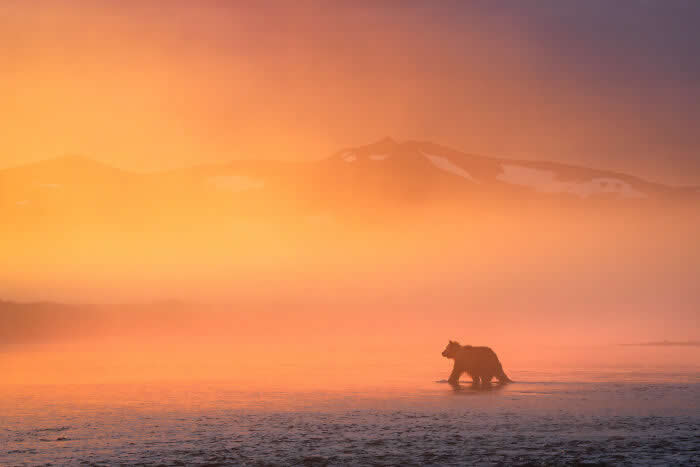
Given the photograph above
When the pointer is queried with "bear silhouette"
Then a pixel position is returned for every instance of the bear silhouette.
(480, 363)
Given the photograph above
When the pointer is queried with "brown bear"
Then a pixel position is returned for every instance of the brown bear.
(480, 363)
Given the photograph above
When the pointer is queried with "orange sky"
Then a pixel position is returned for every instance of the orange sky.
(151, 84)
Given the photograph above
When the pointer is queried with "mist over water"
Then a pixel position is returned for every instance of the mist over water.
(320, 345)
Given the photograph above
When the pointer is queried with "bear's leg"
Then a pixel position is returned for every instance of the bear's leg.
(454, 376)
(486, 380)
(475, 379)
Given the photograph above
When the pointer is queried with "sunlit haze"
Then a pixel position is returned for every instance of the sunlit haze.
(357, 232)
(321, 194)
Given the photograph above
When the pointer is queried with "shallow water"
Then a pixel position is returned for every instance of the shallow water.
(547, 417)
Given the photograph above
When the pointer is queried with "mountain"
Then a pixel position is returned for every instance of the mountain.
(412, 214)
(357, 181)
(421, 163)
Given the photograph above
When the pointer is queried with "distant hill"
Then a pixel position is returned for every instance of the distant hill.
(72, 226)
(50, 322)
(354, 180)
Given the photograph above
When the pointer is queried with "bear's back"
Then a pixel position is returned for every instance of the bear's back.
(482, 352)
(480, 359)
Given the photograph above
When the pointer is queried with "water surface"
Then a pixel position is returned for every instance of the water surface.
(622, 417)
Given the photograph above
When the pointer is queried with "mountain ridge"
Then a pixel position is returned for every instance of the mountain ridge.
(360, 182)
(82, 161)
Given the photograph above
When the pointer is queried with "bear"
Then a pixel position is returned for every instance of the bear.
(480, 363)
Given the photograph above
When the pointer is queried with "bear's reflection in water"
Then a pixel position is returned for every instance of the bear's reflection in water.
(472, 388)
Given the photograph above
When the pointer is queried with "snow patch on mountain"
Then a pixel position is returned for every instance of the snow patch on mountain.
(445, 164)
(351, 156)
(379, 157)
(236, 183)
(348, 156)
(545, 181)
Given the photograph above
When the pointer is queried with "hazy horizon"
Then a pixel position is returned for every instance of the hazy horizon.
(233, 159)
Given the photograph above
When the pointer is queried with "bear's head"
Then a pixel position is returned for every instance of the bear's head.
(451, 349)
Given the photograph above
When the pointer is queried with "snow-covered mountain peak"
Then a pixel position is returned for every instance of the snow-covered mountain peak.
(416, 159)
